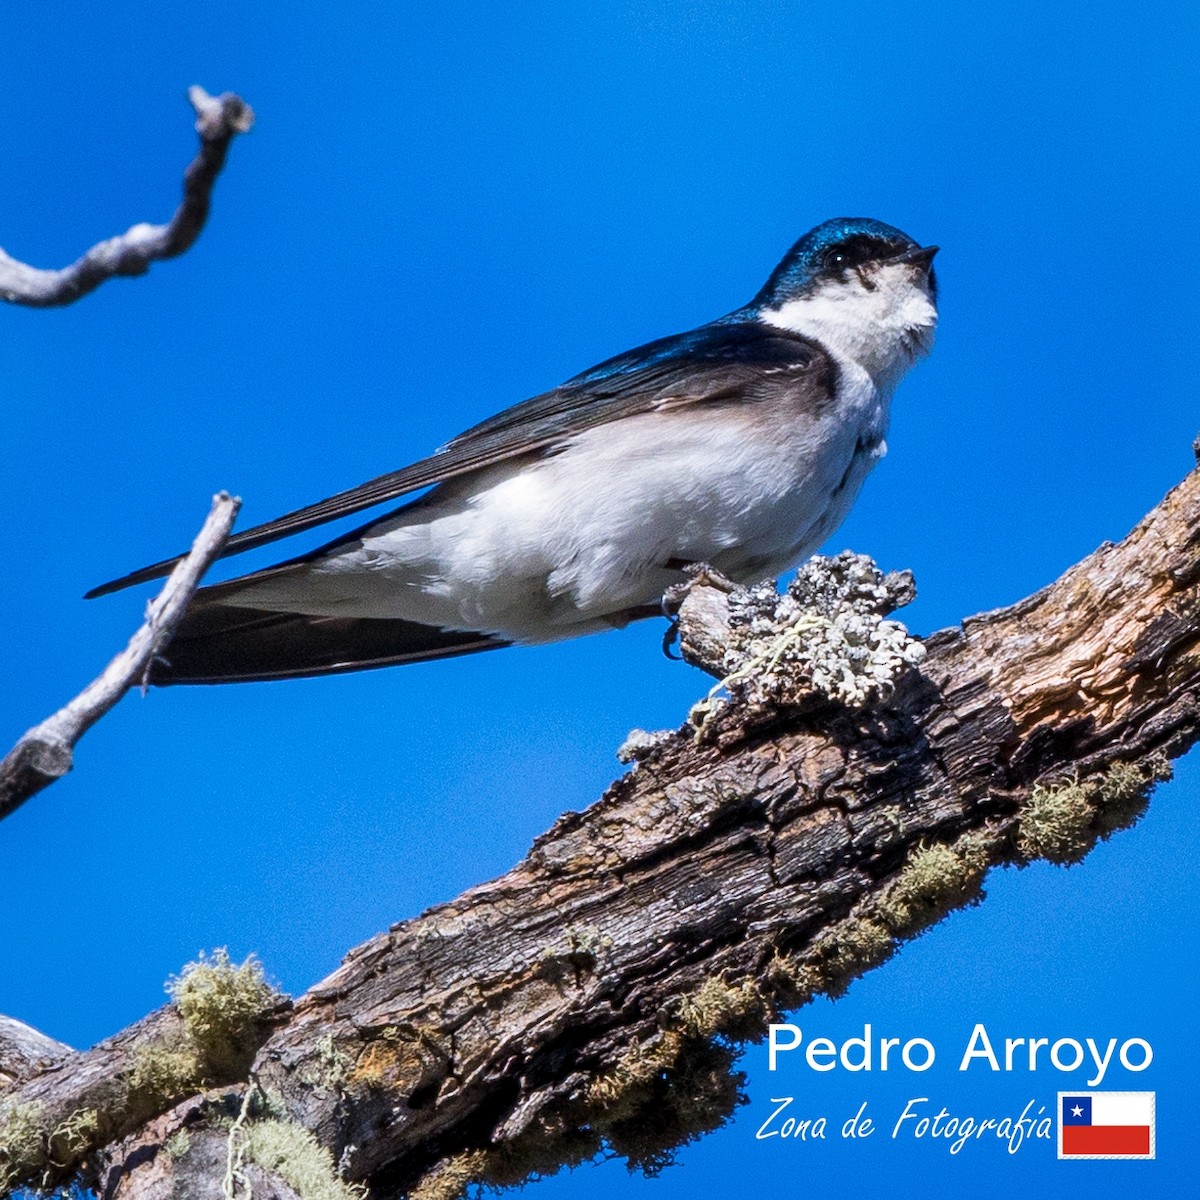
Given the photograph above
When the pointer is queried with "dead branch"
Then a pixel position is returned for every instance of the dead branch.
(218, 120)
(208, 1036)
(24, 1052)
(766, 853)
(46, 752)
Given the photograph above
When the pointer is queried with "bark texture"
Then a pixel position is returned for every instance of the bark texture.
(24, 1052)
(764, 852)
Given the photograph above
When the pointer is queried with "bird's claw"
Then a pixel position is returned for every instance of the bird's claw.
(671, 637)
(697, 575)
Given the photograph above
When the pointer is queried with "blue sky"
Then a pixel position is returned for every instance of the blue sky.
(443, 211)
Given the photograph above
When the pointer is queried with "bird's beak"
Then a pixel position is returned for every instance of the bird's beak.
(921, 256)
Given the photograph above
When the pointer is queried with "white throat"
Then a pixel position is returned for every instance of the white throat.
(880, 317)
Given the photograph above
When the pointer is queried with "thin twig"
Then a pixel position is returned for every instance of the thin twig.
(218, 120)
(45, 753)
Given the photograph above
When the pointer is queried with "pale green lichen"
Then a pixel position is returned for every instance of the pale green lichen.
(936, 880)
(450, 1178)
(293, 1154)
(1056, 824)
(163, 1070)
(618, 1092)
(1062, 822)
(1124, 792)
(72, 1138)
(36, 1155)
(663, 1093)
(825, 637)
(223, 1007)
(785, 975)
(734, 1010)
(330, 1067)
(23, 1157)
(682, 1088)
(844, 952)
(178, 1144)
(221, 1010)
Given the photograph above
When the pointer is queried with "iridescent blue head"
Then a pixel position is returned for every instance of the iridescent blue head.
(861, 289)
(836, 248)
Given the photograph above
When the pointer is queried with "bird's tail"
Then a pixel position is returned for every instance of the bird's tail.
(218, 642)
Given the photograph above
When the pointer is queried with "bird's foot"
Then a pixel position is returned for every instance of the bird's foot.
(696, 575)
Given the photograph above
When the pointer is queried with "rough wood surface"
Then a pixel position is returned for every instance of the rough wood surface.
(576, 1001)
(24, 1052)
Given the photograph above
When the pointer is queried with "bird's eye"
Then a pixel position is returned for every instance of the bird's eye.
(838, 258)
(851, 253)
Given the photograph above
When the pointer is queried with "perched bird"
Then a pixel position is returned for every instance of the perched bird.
(741, 444)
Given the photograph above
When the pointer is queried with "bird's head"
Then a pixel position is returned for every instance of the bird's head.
(862, 288)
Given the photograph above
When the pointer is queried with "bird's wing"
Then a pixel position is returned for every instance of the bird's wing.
(718, 362)
(218, 643)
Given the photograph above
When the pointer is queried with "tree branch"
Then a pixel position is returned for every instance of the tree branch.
(218, 121)
(45, 752)
(24, 1052)
(208, 1036)
(767, 852)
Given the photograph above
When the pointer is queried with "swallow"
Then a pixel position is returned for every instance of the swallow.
(740, 445)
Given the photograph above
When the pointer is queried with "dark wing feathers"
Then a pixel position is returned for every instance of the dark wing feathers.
(222, 644)
(716, 362)
(702, 365)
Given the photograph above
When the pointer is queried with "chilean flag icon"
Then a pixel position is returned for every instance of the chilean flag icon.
(1105, 1124)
